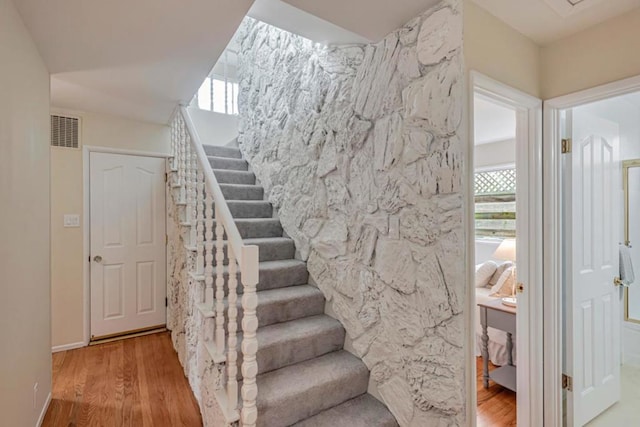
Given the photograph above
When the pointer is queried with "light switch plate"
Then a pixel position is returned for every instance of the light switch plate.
(72, 220)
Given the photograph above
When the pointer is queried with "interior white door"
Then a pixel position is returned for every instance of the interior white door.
(592, 299)
(128, 264)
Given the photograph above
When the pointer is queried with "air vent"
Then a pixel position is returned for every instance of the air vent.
(565, 8)
(65, 131)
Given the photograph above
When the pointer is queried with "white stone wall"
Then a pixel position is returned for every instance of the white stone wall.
(358, 148)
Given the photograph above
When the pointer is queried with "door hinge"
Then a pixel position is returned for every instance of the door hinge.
(166, 177)
(567, 382)
(566, 145)
(166, 302)
(166, 239)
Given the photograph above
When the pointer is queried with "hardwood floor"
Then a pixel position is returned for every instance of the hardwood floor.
(134, 382)
(496, 405)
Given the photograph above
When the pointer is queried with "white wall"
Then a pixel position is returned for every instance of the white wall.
(214, 128)
(601, 54)
(497, 50)
(67, 258)
(495, 154)
(25, 333)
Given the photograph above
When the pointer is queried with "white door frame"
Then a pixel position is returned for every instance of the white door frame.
(529, 176)
(86, 226)
(553, 265)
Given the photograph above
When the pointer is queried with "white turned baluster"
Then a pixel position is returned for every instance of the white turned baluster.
(208, 245)
(249, 345)
(194, 196)
(174, 165)
(232, 352)
(188, 185)
(183, 143)
(200, 225)
(173, 142)
(219, 283)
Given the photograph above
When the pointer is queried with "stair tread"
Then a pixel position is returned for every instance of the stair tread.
(223, 151)
(287, 304)
(274, 265)
(363, 411)
(294, 379)
(296, 392)
(228, 176)
(248, 202)
(269, 296)
(231, 185)
(262, 240)
(231, 171)
(255, 220)
(292, 330)
(228, 163)
(277, 274)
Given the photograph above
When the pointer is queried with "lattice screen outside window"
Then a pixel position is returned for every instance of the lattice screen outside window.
(495, 201)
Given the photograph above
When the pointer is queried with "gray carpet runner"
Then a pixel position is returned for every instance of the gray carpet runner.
(305, 377)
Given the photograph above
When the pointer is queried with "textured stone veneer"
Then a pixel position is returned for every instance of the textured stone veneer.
(358, 149)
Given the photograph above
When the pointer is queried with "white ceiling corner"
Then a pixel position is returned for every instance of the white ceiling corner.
(545, 21)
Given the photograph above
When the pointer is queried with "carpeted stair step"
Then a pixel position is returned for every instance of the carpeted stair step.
(249, 208)
(363, 411)
(288, 343)
(286, 304)
(269, 248)
(234, 177)
(280, 306)
(275, 275)
(255, 228)
(228, 163)
(300, 391)
(214, 150)
(242, 192)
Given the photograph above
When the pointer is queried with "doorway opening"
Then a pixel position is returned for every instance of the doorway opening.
(495, 193)
(125, 284)
(505, 223)
(600, 295)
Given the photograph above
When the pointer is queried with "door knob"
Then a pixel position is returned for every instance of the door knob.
(617, 281)
(97, 258)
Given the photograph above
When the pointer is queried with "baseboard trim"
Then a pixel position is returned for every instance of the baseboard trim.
(43, 413)
(65, 347)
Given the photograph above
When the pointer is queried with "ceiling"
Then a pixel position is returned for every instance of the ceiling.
(492, 122)
(137, 59)
(140, 58)
(545, 21)
(371, 19)
(287, 17)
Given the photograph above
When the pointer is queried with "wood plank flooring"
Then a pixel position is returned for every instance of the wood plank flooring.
(496, 405)
(136, 382)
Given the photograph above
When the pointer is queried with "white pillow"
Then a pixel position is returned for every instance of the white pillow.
(501, 269)
(506, 283)
(484, 272)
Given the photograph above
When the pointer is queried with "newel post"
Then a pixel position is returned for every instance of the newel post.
(249, 276)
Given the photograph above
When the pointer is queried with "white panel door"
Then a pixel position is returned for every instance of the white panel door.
(592, 299)
(128, 264)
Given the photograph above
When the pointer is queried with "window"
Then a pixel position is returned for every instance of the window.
(495, 202)
(213, 96)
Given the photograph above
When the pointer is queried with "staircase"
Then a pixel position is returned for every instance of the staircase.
(305, 377)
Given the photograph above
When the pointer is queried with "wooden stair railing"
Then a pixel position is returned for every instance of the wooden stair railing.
(201, 195)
